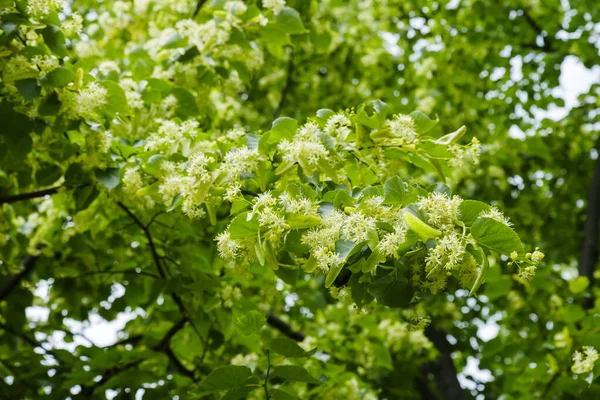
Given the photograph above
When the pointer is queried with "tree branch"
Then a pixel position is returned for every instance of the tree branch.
(12, 282)
(164, 342)
(124, 272)
(28, 196)
(31, 341)
(284, 328)
(589, 251)
(538, 30)
(160, 269)
(443, 368)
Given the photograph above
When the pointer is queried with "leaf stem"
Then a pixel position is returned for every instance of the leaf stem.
(265, 385)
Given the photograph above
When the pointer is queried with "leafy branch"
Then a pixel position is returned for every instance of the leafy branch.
(160, 268)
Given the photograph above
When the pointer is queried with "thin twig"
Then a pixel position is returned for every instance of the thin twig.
(265, 385)
(29, 195)
(538, 30)
(12, 282)
(160, 269)
(124, 272)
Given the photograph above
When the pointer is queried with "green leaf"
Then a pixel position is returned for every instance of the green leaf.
(241, 228)
(223, 378)
(480, 257)
(55, 40)
(58, 78)
(496, 236)
(278, 394)
(116, 101)
(470, 210)
(48, 175)
(28, 88)
(423, 123)
(393, 190)
(579, 284)
(392, 292)
(294, 373)
(287, 348)
(76, 176)
(186, 103)
(346, 248)
(109, 177)
(423, 230)
(250, 322)
(453, 137)
(299, 221)
(239, 393)
(283, 128)
(289, 21)
(84, 196)
(382, 356)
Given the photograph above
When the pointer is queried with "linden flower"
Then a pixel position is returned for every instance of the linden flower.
(73, 26)
(132, 181)
(228, 248)
(388, 245)
(442, 209)
(40, 8)
(275, 5)
(338, 126)
(357, 226)
(87, 100)
(233, 192)
(301, 205)
(584, 363)
(448, 253)
(403, 128)
(237, 161)
(305, 149)
(496, 214)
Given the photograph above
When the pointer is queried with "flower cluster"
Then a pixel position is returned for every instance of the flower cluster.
(275, 5)
(38, 9)
(402, 128)
(528, 265)
(443, 210)
(172, 136)
(584, 362)
(86, 102)
(306, 149)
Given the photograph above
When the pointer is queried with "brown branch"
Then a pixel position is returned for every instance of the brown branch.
(12, 282)
(160, 269)
(132, 340)
(284, 328)
(443, 368)
(164, 342)
(31, 341)
(124, 272)
(539, 31)
(29, 195)
(178, 365)
(589, 251)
